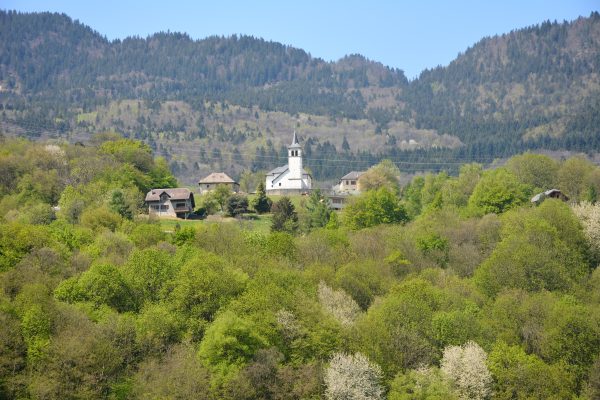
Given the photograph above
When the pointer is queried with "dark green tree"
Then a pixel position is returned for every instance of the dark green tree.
(119, 205)
(236, 204)
(318, 210)
(345, 145)
(261, 202)
(285, 218)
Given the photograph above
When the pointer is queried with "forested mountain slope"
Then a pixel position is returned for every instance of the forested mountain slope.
(536, 87)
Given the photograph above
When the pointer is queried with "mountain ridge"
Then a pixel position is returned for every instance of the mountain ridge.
(532, 88)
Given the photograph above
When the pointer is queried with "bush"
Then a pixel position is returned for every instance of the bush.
(236, 204)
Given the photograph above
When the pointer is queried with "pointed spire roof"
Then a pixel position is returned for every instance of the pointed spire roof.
(295, 143)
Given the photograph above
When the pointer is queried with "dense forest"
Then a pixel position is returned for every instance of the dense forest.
(445, 288)
(532, 88)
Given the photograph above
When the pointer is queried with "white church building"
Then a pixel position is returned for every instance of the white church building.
(290, 178)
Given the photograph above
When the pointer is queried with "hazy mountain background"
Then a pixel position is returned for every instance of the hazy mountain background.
(232, 103)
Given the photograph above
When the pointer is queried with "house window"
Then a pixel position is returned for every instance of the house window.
(279, 183)
(207, 185)
(156, 207)
(164, 207)
(353, 182)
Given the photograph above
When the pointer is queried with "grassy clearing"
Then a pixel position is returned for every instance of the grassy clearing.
(252, 222)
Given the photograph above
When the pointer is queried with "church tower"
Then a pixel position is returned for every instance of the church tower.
(295, 159)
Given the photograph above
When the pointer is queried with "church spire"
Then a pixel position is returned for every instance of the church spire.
(294, 141)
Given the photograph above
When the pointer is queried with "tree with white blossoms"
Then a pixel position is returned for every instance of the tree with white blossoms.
(589, 215)
(466, 368)
(352, 377)
(339, 303)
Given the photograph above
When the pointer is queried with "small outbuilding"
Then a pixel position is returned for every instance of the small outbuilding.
(215, 179)
(552, 194)
(177, 202)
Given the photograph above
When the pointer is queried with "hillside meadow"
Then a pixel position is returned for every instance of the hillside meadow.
(452, 287)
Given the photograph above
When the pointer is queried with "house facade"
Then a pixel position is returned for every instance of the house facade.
(349, 182)
(290, 178)
(344, 190)
(170, 203)
(215, 179)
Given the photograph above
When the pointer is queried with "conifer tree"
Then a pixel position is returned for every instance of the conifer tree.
(261, 202)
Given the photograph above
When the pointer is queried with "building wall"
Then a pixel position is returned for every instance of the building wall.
(348, 185)
(209, 187)
(167, 207)
(295, 163)
(287, 181)
(161, 209)
(285, 192)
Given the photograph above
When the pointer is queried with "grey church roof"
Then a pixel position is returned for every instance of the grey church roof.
(278, 170)
(282, 169)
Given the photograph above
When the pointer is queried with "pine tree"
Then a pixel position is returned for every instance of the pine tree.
(285, 218)
(261, 202)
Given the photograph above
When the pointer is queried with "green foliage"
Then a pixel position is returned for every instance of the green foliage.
(100, 218)
(396, 332)
(333, 222)
(157, 328)
(536, 170)
(202, 286)
(147, 271)
(434, 244)
(573, 177)
(185, 235)
(517, 374)
(285, 218)
(17, 240)
(101, 284)
(421, 384)
(318, 210)
(237, 204)
(118, 204)
(383, 175)
(281, 244)
(178, 376)
(221, 194)
(36, 329)
(364, 281)
(261, 203)
(533, 256)
(129, 151)
(230, 341)
(147, 235)
(572, 336)
(374, 207)
(498, 191)
(97, 305)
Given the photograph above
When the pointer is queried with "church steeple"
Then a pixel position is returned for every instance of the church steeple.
(294, 141)
(295, 158)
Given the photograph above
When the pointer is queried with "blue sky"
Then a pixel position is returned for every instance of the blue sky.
(411, 35)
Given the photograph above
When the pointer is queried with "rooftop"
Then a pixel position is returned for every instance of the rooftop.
(353, 175)
(174, 194)
(217, 177)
